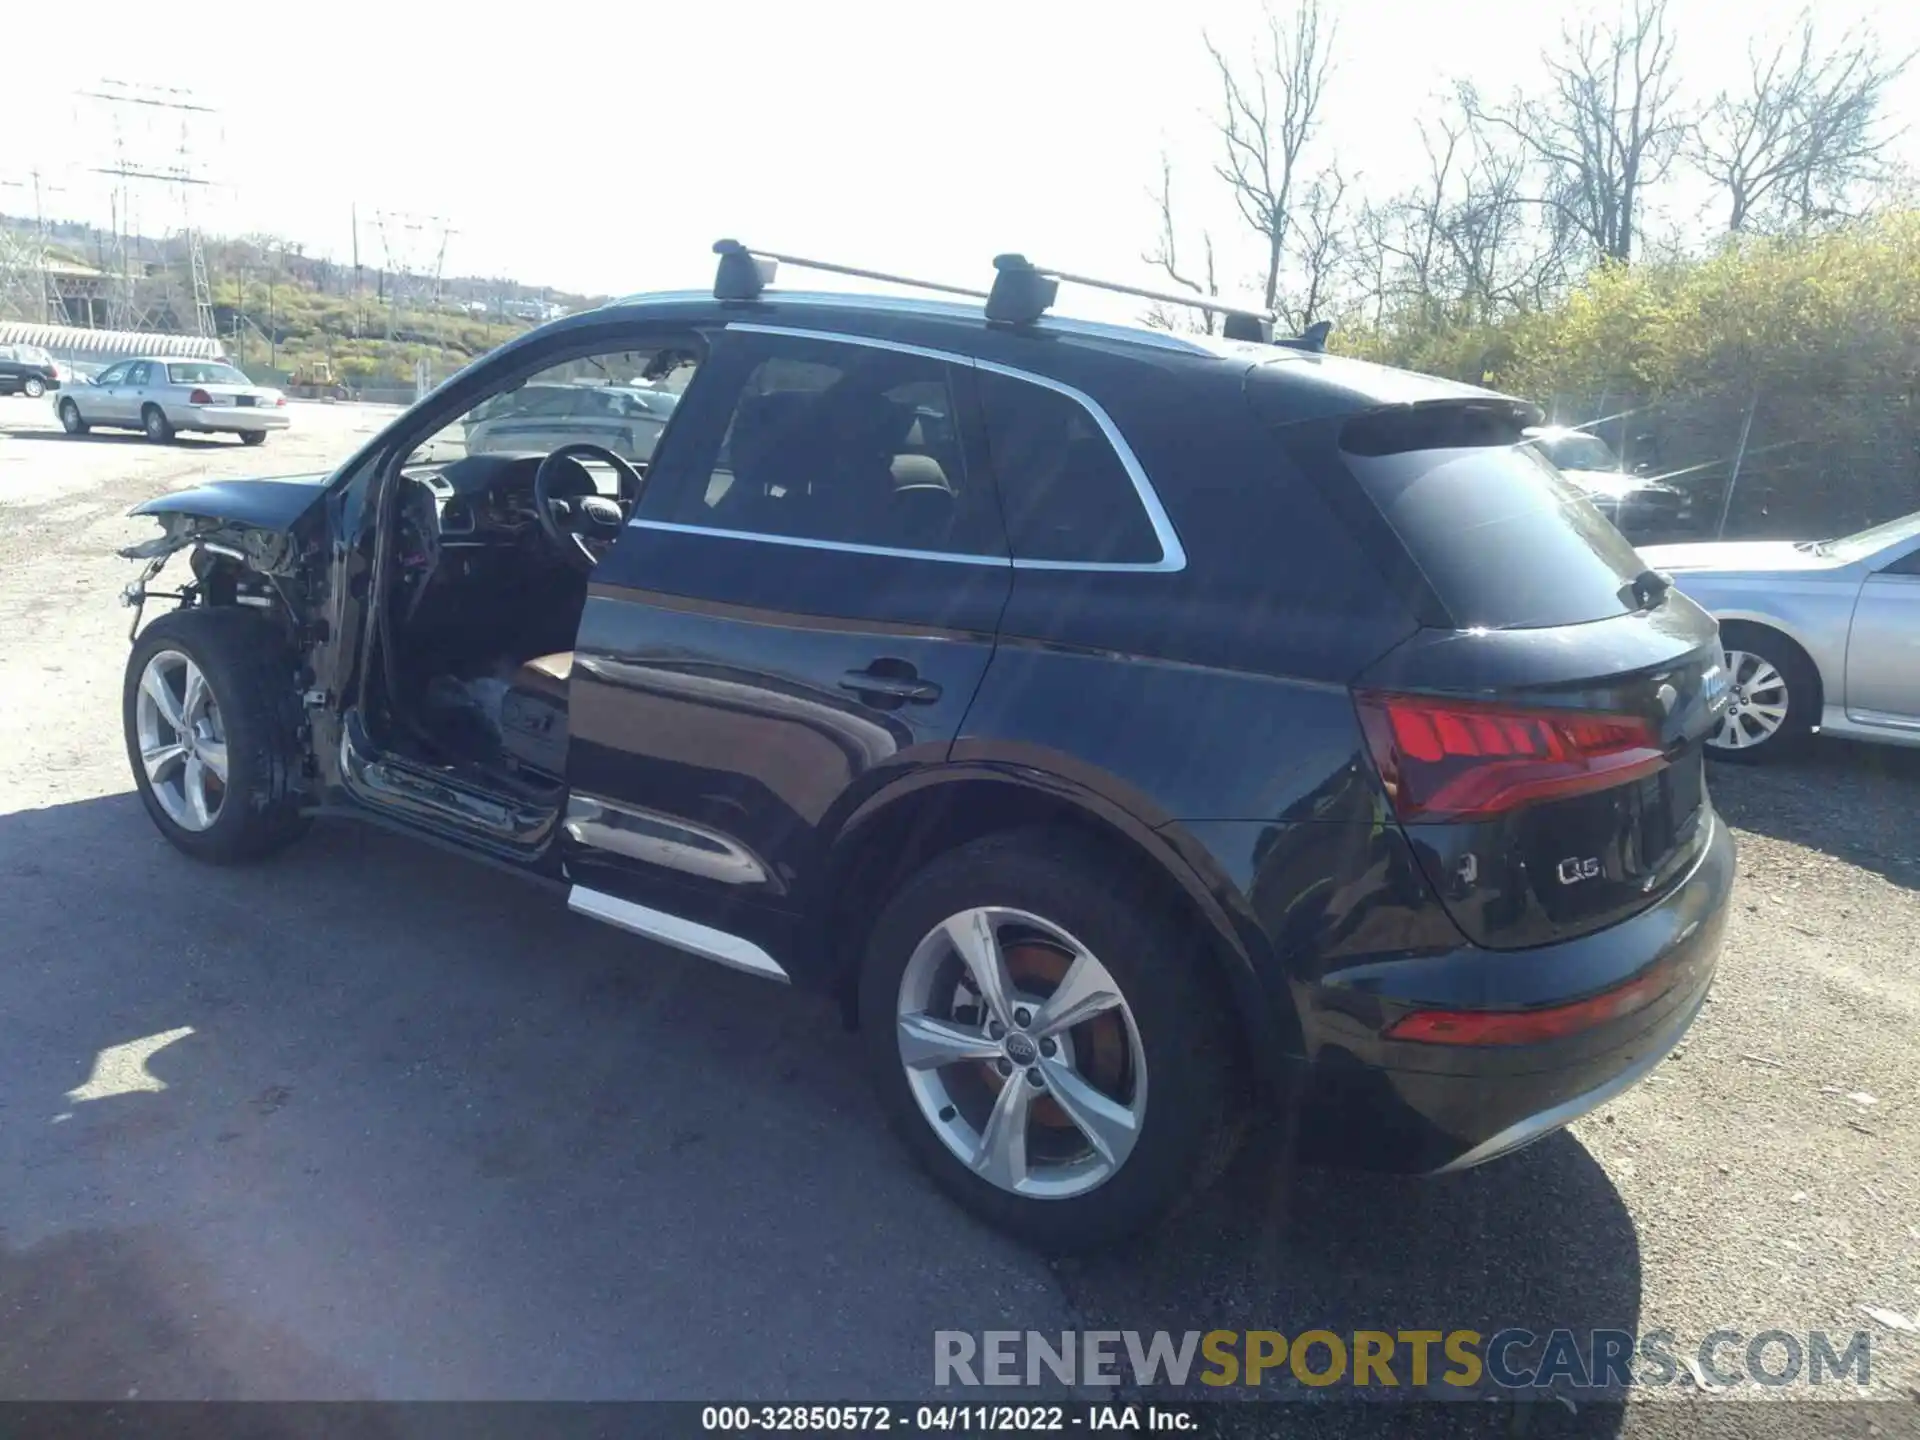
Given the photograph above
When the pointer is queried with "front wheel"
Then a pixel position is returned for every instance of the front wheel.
(70, 419)
(35, 387)
(1046, 1045)
(212, 724)
(1772, 699)
(154, 421)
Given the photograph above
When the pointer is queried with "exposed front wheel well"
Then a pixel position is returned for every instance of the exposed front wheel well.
(915, 831)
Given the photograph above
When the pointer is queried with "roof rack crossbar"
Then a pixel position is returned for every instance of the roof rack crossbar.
(725, 248)
(1210, 303)
(1022, 291)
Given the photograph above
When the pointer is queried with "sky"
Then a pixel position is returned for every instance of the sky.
(606, 150)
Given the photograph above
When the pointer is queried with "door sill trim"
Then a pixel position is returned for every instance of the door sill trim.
(683, 934)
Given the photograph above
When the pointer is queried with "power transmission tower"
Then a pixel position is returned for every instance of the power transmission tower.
(134, 308)
(406, 241)
(26, 289)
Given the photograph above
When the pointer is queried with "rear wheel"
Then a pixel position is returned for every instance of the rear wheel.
(154, 421)
(35, 387)
(70, 420)
(253, 437)
(212, 725)
(1773, 699)
(1047, 1046)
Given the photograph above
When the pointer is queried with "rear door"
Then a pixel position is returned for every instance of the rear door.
(801, 610)
(1883, 646)
(109, 399)
(143, 383)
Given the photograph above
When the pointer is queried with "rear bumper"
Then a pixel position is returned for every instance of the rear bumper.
(229, 417)
(1425, 1108)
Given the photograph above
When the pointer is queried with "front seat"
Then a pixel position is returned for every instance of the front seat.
(533, 713)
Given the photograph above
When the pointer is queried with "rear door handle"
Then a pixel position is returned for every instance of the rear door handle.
(908, 686)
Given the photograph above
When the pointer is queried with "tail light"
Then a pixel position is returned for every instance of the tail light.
(279, 400)
(1463, 760)
(199, 397)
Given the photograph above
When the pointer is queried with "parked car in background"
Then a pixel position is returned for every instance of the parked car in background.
(27, 370)
(1819, 633)
(538, 418)
(163, 397)
(1640, 508)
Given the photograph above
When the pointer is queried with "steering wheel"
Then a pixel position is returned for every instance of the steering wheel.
(574, 516)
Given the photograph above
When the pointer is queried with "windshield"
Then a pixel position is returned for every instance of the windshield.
(584, 400)
(1862, 543)
(205, 372)
(1572, 450)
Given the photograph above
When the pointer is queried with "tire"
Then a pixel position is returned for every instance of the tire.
(254, 715)
(1175, 1033)
(1785, 675)
(154, 421)
(70, 419)
(34, 387)
(253, 437)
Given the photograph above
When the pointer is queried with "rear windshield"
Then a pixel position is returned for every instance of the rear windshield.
(1503, 538)
(205, 372)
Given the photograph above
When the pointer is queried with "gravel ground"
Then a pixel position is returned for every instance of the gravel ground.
(430, 1136)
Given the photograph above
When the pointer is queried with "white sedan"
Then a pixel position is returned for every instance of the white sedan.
(163, 397)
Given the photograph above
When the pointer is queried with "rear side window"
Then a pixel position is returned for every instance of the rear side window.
(1503, 538)
(840, 444)
(1066, 492)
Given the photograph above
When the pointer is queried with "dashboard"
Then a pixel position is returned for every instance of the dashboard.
(479, 500)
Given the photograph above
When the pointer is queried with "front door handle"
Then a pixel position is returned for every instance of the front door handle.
(903, 684)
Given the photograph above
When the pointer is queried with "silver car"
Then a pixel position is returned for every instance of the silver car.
(164, 397)
(542, 417)
(1817, 633)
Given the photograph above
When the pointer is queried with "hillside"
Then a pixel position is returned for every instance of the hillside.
(276, 308)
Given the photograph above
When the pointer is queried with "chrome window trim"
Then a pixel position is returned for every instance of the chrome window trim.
(800, 542)
(1173, 555)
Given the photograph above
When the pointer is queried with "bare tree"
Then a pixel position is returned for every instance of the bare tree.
(1165, 257)
(1469, 243)
(1321, 250)
(1802, 133)
(1270, 110)
(1606, 129)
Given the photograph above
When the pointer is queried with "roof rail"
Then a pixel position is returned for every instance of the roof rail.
(1022, 291)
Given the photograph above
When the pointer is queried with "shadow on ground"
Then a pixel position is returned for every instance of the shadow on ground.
(1852, 801)
(433, 1136)
(53, 432)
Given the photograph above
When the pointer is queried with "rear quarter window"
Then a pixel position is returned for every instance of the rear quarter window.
(1067, 494)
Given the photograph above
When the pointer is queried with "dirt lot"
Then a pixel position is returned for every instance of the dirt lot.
(431, 1137)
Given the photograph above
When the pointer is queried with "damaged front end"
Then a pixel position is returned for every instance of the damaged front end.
(231, 564)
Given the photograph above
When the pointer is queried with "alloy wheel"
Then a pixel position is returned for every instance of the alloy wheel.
(1021, 1052)
(183, 744)
(1757, 704)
